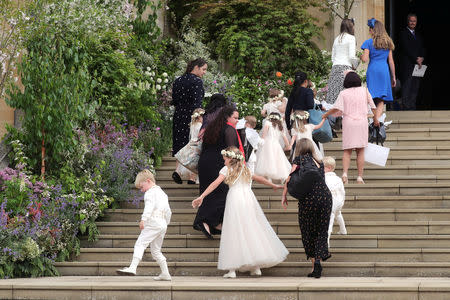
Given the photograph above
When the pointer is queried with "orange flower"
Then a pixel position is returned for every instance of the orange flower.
(278, 74)
(290, 82)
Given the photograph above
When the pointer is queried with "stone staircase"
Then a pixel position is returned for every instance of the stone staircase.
(398, 225)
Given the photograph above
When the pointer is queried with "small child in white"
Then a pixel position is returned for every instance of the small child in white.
(153, 225)
(253, 138)
(336, 187)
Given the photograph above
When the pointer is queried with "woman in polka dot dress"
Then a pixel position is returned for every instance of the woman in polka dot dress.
(313, 211)
(187, 95)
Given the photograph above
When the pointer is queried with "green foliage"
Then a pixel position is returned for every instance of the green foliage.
(257, 38)
(55, 97)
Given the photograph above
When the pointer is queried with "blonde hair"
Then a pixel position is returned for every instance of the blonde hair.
(251, 120)
(300, 118)
(329, 162)
(381, 39)
(143, 176)
(196, 115)
(236, 166)
(305, 146)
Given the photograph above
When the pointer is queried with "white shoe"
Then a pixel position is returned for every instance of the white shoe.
(163, 277)
(342, 232)
(255, 272)
(230, 274)
(126, 271)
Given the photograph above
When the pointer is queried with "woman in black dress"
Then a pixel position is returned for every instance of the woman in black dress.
(187, 95)
(313, 211)
(301, 97)
(219, 134)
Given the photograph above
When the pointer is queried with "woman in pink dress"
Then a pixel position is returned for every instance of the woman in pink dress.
(353, 104)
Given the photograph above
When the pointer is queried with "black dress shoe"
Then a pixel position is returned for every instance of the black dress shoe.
(317, 273)
(176, 177)
(190, 182)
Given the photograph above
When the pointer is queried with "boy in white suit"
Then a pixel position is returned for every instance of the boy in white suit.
(336, 187)
(153, 225)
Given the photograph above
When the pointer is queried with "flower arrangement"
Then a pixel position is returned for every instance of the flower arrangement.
(232, 154)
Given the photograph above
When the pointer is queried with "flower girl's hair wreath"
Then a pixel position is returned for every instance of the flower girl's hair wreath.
(296, 116)
(231, 154)
(274, 117)
(196, 114)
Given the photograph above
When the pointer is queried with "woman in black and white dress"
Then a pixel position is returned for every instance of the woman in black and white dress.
(342, 55)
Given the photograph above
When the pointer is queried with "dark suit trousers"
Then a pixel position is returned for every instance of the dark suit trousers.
(410, 89)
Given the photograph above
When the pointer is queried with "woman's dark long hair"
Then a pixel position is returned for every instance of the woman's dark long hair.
(199, 62)
(300, 77)
(217, 101)
(214, 128)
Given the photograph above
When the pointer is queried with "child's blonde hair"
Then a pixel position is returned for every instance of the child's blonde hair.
(305, 146)
(300, 119)
(196, 115)
(329, 162)
(143, 176)
(251, 120)
(236, 166)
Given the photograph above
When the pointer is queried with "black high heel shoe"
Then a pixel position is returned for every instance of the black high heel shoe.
(202, 228)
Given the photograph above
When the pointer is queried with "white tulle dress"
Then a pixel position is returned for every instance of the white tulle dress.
(271, 162)
(307, 134)
(247, 240)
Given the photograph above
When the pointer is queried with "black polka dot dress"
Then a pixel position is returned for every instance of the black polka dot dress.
(187, 95)
(314, 216)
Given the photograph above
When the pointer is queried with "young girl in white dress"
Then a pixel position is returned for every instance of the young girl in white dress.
(301, 129)
(277, 103)
(271, 162)
(247, 242)
(196, 124)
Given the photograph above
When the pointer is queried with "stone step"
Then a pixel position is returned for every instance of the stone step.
(216, 288)
(369, 169)
(295, 254)
(393, 159)
(183, 231)
(419, 124)
(372, 269)
(414, 132)
(372, 201)
(273, 214)
(336, 150)
(370, 179)
(381, 189)
(418, 115)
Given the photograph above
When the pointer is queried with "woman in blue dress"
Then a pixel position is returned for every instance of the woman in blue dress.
(381, 70)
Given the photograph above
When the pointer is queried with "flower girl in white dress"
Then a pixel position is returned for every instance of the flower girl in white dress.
(247, 242)
(271, 162)
(301, 129)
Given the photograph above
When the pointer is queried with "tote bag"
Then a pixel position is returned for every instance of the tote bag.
(303, 178)
(189, 155)
(323, 134)
(376, 154)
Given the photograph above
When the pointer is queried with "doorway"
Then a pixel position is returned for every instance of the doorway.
(433, 25)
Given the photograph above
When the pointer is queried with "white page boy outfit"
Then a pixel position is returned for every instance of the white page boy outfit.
(336, 187)
(156, 217)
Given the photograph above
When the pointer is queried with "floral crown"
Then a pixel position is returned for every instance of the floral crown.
(197, 114)
(232, 154)
(300, 117)
(274, 117)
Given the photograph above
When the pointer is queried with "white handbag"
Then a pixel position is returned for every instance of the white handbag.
(376, 154)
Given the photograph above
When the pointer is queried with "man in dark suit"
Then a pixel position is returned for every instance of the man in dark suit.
(412, 52)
